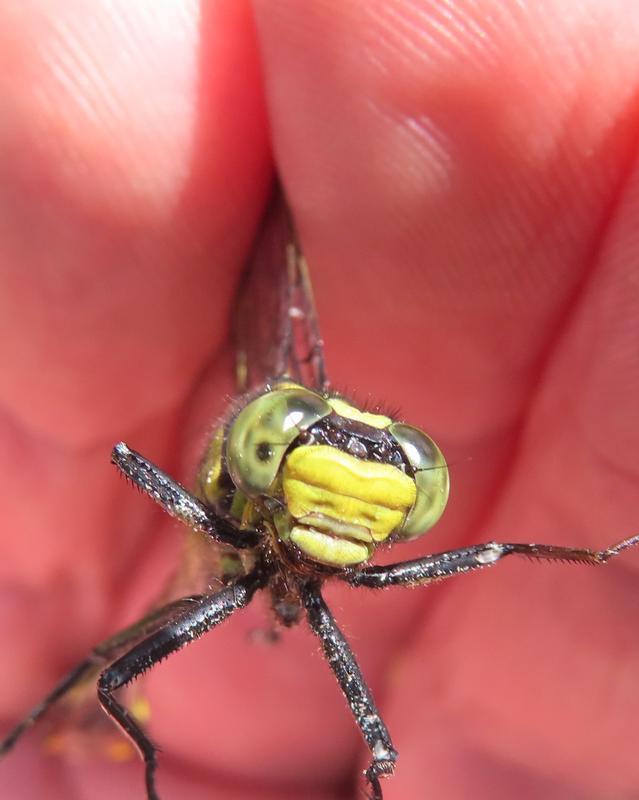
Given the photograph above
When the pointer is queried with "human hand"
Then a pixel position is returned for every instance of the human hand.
(463, 186)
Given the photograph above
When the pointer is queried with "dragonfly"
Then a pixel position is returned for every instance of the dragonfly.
(298, 486)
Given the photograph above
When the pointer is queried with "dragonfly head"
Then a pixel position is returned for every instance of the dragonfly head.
(347, 480)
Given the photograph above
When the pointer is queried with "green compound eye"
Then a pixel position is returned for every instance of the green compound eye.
(431, 479)
(263, 431)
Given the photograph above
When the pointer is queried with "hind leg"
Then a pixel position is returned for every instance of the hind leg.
(104, 653)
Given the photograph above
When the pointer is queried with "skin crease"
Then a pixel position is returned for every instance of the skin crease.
(464, 180)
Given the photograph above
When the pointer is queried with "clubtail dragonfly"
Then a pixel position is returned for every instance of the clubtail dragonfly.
(298, 486)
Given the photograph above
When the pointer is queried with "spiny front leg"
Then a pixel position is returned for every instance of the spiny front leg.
(346, 669)
(466, 559)
(176, 500)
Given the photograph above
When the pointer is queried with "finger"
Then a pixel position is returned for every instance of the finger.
(129, 188)
(453, 149)
(564, 651)
(455, 155)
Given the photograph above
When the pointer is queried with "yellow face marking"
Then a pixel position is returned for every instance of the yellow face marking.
(304, 501)
(329, 468)
(330, 549)
(337, 527)
(345, 409)
(323, 482)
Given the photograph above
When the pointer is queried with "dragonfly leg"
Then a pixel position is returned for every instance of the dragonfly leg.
(345, 668)
(199, 618)
(66, 684)
(177, 501)
(466, 559)
(106, 651)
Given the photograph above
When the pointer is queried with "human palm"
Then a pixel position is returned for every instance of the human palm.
(464, 185)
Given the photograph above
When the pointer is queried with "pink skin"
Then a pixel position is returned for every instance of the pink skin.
(464, 181)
